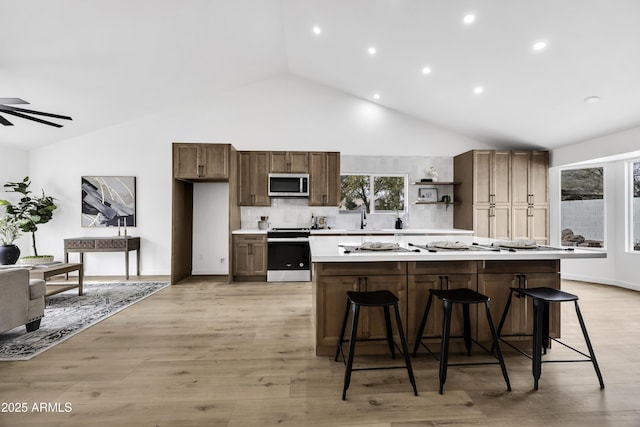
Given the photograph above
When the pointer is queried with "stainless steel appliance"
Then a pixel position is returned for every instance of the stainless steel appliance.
(288, 255)
(289, 185)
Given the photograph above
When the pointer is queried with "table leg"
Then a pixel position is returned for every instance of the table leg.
(138, 261)
(66, 261)
(80, 279)
(126, 263)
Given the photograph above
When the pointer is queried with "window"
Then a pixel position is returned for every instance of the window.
(378, 193)
(582, 207)
(635, 206)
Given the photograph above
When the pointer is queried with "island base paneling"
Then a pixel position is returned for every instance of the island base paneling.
(411, 281)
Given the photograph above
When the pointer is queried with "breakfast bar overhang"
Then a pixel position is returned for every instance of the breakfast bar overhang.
(409, 266)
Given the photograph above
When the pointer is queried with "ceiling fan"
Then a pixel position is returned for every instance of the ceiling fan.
(25, 114)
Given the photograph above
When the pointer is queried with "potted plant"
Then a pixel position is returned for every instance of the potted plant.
(9, 232)
(29, 212)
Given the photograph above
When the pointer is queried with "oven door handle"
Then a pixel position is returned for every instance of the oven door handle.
(288, 239)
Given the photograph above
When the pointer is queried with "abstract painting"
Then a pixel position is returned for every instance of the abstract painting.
(108, 201)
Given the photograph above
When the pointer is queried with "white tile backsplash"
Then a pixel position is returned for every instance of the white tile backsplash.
(297, 212)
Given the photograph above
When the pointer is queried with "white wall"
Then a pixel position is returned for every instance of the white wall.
(13, 167)
(615, 144)
(279, 113)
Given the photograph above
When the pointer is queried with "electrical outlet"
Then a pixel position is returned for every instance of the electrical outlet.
(222, 260)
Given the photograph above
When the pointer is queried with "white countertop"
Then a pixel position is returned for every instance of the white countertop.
(328, 249)
(406, 231)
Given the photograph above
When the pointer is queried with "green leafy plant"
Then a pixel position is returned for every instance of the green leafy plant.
(9, 231)
(29, 211)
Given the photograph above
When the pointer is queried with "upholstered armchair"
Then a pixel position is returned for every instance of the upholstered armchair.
(21, 300)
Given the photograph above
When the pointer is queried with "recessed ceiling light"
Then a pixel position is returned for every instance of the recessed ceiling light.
(372, 50)
(592, 99)
(426, 70)
(539, 45)
(376, 96)
(317, 30)
(469, 18)
(478, 90)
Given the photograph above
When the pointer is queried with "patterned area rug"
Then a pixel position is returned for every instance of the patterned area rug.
(66, 314)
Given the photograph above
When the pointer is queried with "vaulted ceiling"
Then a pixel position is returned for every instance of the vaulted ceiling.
(104, 62)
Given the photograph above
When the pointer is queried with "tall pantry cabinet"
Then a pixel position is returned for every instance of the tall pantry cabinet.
(502, 194)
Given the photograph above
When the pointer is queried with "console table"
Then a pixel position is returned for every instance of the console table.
(104, 244)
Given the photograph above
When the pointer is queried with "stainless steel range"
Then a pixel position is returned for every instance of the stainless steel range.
(288, 255)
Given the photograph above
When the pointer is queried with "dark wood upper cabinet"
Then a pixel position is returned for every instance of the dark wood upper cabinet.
(253, 178)
(201, 162)
(289, 162)
(324, 176)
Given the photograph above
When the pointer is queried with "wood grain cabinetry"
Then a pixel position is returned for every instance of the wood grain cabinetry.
(331, 283)
(530, 195)
(253, 178)
(503, 194)
(495, 278)
(250, 257)
(201, 162)
(289, 162)
(324, 174)
(426, 275)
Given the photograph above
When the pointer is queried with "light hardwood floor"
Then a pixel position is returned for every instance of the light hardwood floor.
(214, 354)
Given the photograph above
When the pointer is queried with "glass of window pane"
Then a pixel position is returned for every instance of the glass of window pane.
(582, 207)
(355, 192)
(389, 193)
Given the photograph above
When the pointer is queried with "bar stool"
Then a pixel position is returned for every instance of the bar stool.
(466, 297)
(383, 299)
(541, 298)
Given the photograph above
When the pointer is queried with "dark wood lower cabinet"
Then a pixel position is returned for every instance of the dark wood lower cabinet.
(411, 282)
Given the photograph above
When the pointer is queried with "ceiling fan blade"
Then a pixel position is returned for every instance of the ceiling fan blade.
(24, 116)
(39, 113)
(12, 101)
(5, 122)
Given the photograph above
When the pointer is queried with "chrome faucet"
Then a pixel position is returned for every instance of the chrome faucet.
(363, 216)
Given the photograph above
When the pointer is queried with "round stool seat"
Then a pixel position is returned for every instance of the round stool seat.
(460, 296)
(372, 298)
(547, 294)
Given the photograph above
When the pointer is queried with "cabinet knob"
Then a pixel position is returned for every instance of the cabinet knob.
(200, 170)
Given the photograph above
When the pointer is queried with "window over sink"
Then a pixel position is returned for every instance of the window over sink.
(378, 193)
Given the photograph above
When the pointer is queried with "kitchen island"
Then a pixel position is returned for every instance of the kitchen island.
(415, 267)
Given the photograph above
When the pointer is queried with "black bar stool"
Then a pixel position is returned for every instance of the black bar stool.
(541, 299)
(465, 297)
(383, 299)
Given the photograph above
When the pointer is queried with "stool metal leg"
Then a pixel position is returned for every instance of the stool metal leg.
(422, 324)
(537, 341)
(588, 341)
(467, 328)
(405, 350)
(545, 327)
(387, 321)
(444, 351)
(352, 347)
(496, 346)
(342, 329)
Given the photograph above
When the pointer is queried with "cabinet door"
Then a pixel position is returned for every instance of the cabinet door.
(501, 177)
(482, 220)
(260, 178)
(372, 323)
(520, 177)
(333, 180)
(539, 177)
(253, 178)
(214, 161)
(241, 259)
(531, 222)
(258, 251)
(492, 221)
(521, 223)
(418, 292)
(482, 166)
(278, 162)
(185, 161)
(496, 287)
(298, 162)
(318, 178)
(330, 308)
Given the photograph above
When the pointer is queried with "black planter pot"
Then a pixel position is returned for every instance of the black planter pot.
(9, 254)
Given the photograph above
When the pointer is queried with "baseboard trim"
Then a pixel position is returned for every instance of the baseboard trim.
(602, 281)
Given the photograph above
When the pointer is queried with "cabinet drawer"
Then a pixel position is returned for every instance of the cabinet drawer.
(79, 244)
(519, 266)
(111, 243)
(250, 238)
(361, 268)
(441, 267)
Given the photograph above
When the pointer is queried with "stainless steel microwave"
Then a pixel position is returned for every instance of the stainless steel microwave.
(289, 185)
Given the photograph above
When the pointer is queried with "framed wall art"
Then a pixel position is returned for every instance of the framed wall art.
(108, 201)
(428, 194)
